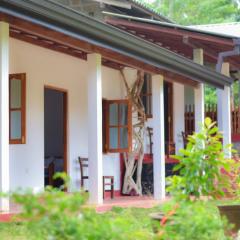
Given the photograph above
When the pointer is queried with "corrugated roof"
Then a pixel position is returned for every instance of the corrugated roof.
(74, 24)
(231, 29)
(144, 6)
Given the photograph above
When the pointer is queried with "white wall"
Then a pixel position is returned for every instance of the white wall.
(46, 67)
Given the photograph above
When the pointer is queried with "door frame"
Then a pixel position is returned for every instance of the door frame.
(65, 124)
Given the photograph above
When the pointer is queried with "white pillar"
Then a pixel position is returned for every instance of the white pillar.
(158, 137)
(199, 93)
(178, 114)
(224, 109)
(95, 167)
(4, 114)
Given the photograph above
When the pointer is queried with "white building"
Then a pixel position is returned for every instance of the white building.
(63, 62)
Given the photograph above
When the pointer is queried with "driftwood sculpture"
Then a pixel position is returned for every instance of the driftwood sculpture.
(133, 160)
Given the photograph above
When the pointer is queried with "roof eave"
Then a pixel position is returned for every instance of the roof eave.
(150, 11)
(68, 21)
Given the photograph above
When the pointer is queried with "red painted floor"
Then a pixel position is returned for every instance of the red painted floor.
(6, 217)
(128, 201)
(121, 201)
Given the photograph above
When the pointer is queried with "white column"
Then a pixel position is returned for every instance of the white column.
(178, 114)
(158, 137)
(4, 114)
(95, 167)
(224, 109)
(199, 93)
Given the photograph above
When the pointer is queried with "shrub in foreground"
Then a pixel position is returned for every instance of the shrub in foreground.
(188, 220)
(56, 215)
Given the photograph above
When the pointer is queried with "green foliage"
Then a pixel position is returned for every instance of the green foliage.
(191, 12)
(56, 215)
(13, 231)
(201, 165)
(210, 93)
(235, 93)
(193, 220)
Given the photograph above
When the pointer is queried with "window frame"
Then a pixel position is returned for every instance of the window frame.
(22, 77)
(106, 145)
(148, 95)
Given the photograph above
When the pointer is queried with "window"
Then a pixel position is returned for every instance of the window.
(117, 131)
(146, 95)
(17, 108)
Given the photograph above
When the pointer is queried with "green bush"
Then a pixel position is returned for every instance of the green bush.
(197, 220)
(204, 172)
(201, 165)
(57, 215)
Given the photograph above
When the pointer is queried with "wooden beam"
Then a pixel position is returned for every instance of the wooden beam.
(48, 45)
(86, 47)
(169, 77)
(169, 30)
(209, 51)
(177, 46)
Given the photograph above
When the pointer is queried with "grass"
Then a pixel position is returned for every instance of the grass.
(13, 231)
(19, 231)
(139, 219)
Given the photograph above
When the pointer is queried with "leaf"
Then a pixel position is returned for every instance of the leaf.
(213, 130)
(177, 167)
(207, 121)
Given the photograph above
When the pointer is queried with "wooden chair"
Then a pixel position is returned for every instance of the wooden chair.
(184, 137)
(83, 162)
(170, 148)
(108, 183)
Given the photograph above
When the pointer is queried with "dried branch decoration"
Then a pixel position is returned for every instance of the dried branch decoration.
(134, 160)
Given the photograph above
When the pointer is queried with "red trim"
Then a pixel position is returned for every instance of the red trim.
(235, 137)
(147, 158)
(171, 160)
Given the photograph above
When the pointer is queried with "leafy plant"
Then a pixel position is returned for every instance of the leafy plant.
(203, 168)
(57, 215)
(196, 220)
